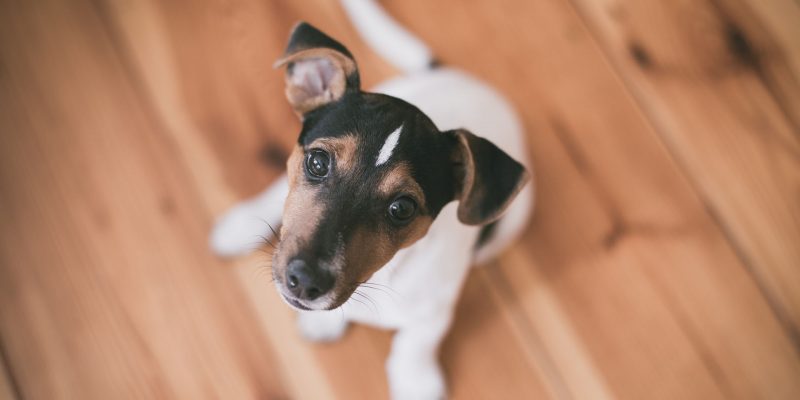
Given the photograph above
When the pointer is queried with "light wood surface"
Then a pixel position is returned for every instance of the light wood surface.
(663, 260)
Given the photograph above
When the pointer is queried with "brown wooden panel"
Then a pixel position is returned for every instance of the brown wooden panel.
(125, 126)
(107, 289)
(721, 87)
(772, 35)
(7, 390)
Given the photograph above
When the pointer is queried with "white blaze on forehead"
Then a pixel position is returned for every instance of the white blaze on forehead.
(388, 146)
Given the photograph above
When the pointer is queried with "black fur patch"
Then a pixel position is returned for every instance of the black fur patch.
(486, 234)
(496, 178)
(304, 37)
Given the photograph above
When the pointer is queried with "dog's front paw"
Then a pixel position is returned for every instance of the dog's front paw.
(321, 326)
(415, 379)
(238, 232)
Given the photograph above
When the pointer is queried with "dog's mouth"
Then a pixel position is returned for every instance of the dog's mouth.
(319, 306)
(333, 300)
(295, 303)
(292, 301)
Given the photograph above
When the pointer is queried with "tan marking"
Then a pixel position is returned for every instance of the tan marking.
(472, 191)
(416, 230)
(360, 264)
(301, 213)
(398, 180)
(294, 165)
(462, 157)
(344, 150)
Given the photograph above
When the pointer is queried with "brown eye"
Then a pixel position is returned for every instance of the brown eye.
(318, 164)
(402, 209)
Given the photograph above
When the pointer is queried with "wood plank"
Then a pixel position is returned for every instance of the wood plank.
(106, 286)
(722, 89)
(127, 125)
(7, 389)
(487, 357)
(645, 278)
(770, 29)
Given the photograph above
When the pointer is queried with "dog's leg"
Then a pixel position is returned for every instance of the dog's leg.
(413, 365)
(243, 228)
(322, 326)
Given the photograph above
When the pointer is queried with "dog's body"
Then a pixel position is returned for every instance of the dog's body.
(415, 292)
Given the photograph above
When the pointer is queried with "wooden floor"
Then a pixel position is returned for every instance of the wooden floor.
(663, 261)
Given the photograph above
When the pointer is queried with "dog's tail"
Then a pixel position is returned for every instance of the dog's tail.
(387, 37)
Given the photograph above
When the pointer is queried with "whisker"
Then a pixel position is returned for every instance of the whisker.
(380, 286)
(341, 312)
(267, 241)
(359, 301)
(389, 295)
(372, 301)
(261, 270)
(385, 289)
(374, 305)
(266, 251)
(362, 301)
(275, 234)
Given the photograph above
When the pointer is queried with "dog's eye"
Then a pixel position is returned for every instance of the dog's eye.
(318, 163)
(402, 209)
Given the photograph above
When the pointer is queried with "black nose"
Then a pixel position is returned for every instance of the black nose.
(306, 282)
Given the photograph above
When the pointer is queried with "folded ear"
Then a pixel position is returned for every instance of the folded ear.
(319, 69)
(489, 178)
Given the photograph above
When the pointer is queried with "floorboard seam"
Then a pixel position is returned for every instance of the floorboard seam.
(123, 54)
(5, 361)
(778, 309)
(544, 361)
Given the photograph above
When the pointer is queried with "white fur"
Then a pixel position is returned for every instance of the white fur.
(420, 284)
(321, 326)
(243, 228)
(388, 146)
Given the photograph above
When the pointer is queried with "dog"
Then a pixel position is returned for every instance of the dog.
(398, 190)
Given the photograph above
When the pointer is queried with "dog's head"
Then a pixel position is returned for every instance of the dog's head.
(368, 176)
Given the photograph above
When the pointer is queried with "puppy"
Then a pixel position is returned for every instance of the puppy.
(395, 191)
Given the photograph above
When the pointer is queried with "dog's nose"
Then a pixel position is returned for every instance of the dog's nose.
(307, 283)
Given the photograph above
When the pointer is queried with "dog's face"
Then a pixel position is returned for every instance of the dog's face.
(368, 176)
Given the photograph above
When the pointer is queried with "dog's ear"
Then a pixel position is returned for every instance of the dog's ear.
(488, 178)
(319, 69)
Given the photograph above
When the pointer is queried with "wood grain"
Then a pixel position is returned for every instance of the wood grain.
(722, 91)
(7, 389)
(107, 288)
(660, 262)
